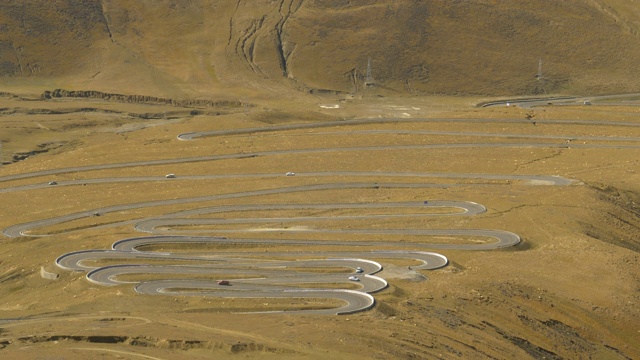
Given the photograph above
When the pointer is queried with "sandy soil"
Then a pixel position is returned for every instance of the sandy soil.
(569, 290)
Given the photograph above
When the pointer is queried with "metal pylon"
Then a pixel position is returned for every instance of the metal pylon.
(368, 80)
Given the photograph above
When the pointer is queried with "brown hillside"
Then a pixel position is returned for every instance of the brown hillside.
(177, 48)
(228, 125)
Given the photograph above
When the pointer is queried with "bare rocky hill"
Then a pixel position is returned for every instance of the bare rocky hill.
(199, 47)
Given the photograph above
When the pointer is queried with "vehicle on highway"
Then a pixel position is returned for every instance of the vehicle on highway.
(359, 270)
(170, 176)
(290, 173)
(354, 278)
(53, 183)
(224, 282)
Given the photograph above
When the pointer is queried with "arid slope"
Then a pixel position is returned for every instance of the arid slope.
(570, 290)
(200, 47)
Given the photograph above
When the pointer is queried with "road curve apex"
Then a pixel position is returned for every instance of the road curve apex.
(377, 278)
(187, 136)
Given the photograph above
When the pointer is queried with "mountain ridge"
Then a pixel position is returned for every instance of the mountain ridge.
(206, 47)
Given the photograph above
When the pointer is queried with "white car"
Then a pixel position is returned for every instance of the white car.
(170, 176)
(359, 270)
(354, 278)
(53, 183)
(290, 174)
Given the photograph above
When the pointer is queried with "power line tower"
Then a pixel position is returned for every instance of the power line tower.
(539, 74)
(353, 77)
(368, 80)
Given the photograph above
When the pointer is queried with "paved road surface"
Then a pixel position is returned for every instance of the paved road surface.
(258, 274)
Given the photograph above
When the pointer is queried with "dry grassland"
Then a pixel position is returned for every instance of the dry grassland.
(569, 290)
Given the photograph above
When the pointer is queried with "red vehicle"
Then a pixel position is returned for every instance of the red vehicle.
(223, 282)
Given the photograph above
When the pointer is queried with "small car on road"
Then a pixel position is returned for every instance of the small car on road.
(354, 278)
(224, 282)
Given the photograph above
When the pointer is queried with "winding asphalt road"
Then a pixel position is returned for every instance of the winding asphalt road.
(277, 128)
(610, 100)
(25, 229)
(257, 274)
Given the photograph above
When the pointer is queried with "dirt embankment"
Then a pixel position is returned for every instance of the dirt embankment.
(619, 218)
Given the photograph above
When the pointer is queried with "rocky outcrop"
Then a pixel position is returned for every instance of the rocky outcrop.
(139, 99)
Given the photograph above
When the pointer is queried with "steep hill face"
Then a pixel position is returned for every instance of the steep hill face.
(200, 47)
(48, 38)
